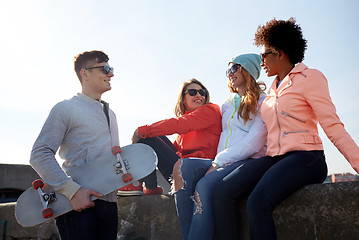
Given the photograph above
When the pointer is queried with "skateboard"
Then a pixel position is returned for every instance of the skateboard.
(41, 203)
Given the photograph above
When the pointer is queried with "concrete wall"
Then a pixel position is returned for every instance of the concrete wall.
(316, 212)
(14, 179)
(18, 177)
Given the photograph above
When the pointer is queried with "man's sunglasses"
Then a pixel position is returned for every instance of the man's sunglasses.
(193, 92)
(106, 69)
(232, 69)
(264, 55)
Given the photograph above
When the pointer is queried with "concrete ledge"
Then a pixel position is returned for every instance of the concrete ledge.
(148, 217)
(320, 211)
(316, 212)
(10, 229)
(142, 217)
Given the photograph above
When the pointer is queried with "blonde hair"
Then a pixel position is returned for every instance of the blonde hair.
(249, 101)
(180, 108)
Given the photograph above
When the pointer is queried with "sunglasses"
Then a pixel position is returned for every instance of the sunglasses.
(106, 69)
(232, 69)
(193, 92)
(264, 55)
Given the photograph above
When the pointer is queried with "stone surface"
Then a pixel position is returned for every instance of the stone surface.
(320, 211)
(316, 212)
(148, 217)
(10, 229)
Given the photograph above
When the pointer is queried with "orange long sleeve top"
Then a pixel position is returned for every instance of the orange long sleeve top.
(198, 131)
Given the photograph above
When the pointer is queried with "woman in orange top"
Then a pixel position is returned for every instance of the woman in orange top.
(198, 125)
(296, 102)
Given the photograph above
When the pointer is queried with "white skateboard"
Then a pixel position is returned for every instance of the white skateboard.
(41, 202)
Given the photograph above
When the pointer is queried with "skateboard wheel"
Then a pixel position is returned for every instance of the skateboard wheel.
(116, 149)
(47, 213)
(127, 177)
(37, 184)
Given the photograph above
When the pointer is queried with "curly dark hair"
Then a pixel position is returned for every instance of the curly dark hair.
(282, 35)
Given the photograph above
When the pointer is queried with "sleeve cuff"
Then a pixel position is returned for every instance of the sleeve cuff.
(69, 188)
(213, 162)
(142, 131)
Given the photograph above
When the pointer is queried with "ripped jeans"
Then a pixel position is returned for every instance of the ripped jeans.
(194, 196)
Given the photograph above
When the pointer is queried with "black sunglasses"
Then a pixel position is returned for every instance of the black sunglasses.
(106, 69)
(264, 55)
(232, 69)
(193, 92)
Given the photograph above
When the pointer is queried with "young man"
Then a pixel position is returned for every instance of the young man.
(83, 128)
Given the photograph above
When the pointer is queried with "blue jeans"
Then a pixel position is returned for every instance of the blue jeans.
(194, 201)
(290, 173)
(96, 223)
(235, 186)
(268, 180)
(192, 170)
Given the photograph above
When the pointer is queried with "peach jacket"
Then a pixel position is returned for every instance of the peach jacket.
(292, 111)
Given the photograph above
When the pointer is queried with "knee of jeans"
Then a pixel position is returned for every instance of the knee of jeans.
(250, 204)
(143, 140)
(197, 201)
(220, 200)
(177, 178)
(258, 202)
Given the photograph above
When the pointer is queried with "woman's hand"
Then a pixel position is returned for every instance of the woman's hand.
(135, 137)
(211, 169)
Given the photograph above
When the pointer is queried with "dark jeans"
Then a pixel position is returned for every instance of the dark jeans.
(167, 157)
(272, 179)
(97, 223)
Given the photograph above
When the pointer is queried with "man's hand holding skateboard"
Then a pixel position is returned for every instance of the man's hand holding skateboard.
(82, 199)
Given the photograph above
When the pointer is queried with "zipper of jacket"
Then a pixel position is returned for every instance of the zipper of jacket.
(229, 125)
(288, 115)
(286, 133)
(276, 113)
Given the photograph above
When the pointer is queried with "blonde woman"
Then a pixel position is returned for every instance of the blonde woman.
(242, 140)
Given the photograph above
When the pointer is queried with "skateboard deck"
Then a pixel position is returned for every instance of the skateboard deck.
(104, 175)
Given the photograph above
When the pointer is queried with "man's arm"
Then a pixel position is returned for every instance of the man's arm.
(45, 164)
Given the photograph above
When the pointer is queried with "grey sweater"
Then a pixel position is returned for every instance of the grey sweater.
(78, 127)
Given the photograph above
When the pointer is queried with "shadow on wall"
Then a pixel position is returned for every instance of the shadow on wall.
(9, 195)
(14, 179)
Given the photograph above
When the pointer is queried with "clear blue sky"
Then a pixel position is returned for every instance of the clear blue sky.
(154, 46)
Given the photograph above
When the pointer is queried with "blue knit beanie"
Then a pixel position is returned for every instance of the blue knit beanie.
(250, 62)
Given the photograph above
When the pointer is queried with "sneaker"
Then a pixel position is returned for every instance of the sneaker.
(134, 189)
(157, 191)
